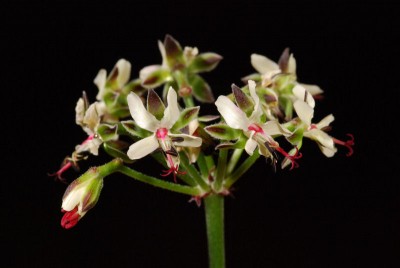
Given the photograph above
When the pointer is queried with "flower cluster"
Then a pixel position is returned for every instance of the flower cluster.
(130, 121)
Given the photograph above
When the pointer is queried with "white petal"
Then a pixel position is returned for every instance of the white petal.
(302, 94)
(146, 71)
(251, 145)
(292, 65)
(100, 82)
(325, 121)
(73, 198)
(143, 147)
(163, 53)
(94, 145)
(124, 72)
(313, 89)
(171, 113)
(92, 118)
(233, 116)
(262, 64)
(79, 111)
(272, 128)
(188, 140)
(141, 116)
(255, 116)
(304, 111)
(328, 152)
(324, 139)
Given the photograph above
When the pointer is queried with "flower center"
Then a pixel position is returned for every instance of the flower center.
(161, 133)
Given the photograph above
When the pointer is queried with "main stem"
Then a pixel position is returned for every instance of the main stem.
(214, 208)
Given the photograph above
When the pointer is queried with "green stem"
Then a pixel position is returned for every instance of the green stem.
(237, 153)
(193, 191)
(241, 170)
(210, 162)
(214, 210)
(221, 169)
(193, 172)
(189, 102)
(202, 164)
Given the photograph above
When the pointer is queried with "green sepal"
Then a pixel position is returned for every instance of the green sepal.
(256, 77)
(156, 78)
(243, 101)
(107, 132)
(204, 62)
(297, 137)
(239, 144)
(117, 149)
(186, 116)
(133, 129)
(223, 132)
(155, 105)
(208, 118)
(134, 86)
(201, 90)
(173, 53)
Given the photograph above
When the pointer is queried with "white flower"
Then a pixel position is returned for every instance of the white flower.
(89, 119)
(268, 69)
(162, 137)
(259, 134)
(315, 131)
(120, 75)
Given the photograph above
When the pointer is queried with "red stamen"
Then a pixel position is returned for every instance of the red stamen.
(59, 173)
(349, 143)
(174, 170)
(70, 218)
(292, 158)
(68, 163)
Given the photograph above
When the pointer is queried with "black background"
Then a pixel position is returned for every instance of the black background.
(338, 212)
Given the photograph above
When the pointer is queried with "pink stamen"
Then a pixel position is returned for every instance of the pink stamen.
(292, 158)
(59, 173)
(349, 143)
(91, 137)
(173, 169)
(70, 218)
(313, 126)
(161, 133)
(69, 163)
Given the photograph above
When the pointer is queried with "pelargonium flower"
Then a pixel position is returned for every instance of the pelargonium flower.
(81, 195)
(258, 133)
(317, 132)
(117, 78)
(286, 65)
(89, 119)
(180, 67)
(160, 121)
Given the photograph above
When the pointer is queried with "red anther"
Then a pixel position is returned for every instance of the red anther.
(292, 158)
(59, 173)
(313, 126)
(256, 128)
(70, 218)
(349, 143)
(161, 133)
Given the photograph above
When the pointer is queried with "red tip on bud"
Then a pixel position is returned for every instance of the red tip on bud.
(70, 218)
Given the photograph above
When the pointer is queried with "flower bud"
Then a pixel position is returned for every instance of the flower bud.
(81, 195)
